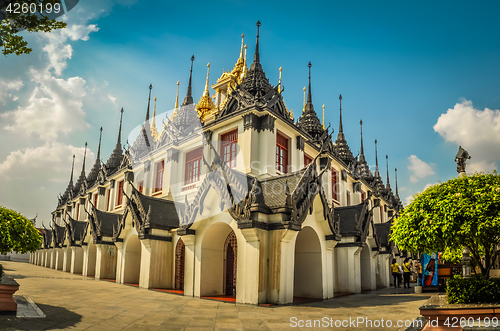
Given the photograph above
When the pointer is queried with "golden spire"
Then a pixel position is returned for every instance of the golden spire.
(242, 46)
(205, 106)
(304, 107)
(154, 130)
(176, 103)
(323, 116)
(291, 114)
(279, 83)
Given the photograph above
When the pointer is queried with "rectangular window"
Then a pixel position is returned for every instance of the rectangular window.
(229, 147)
(77, 211)
(335, 195)
(95, 199)
(281, 153)
(307, 160)
(159, 176)
(119, 195)
(193, 166)
(109, 197)
(141, 186)
(348, 198)
(363, 196)
(381, 214)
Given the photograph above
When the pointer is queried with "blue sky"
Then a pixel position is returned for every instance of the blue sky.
(423, 76)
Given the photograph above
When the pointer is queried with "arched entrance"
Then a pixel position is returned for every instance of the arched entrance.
(366, 269)
(180, 256)
(308, 273)
(91, 259)
(132, 267)
(230, 259)
(218, 261)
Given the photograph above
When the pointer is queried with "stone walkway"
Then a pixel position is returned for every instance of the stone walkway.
(80, 303)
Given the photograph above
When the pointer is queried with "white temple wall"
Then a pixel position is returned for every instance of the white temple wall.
(76, 260)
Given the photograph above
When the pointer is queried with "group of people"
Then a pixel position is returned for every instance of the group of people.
(404, 271)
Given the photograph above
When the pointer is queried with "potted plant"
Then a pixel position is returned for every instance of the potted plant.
(17, 234)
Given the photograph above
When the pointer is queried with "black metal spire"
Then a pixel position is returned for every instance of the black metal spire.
(119, 142)
(362, 151)
(81, 179)
(149, 102)
(99, 147)
(341, 129)
(309, 121)
(309, 94)
(84, 156)
(116, 157)
(388, 185)
(189, 98)
(92, 177)
(72, 167)
(376, 160)
(396, 175)
(256, 57)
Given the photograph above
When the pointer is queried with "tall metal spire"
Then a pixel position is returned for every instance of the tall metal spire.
(256, 57)
(84, 156)
(341, 128)
(388, 185)
(323, 116)
(242, 47)
(309, 95)
(72, 167)
(362, 150)
(92, 177)
(99, 147)
(279, 82)
(149, 101)
(205, 92)
(189, 97)
(397, 193)
(154, 130)
(304, 106)
(119, 141)
(376, 160)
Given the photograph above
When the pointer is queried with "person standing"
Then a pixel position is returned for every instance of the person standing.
(406, 273)
(419, 273)
(395, 273)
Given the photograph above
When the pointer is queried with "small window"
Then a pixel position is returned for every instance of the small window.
(307, 160)
(77, 211)
(281, 153)
(363, 195)
(348, 198)
(141, 186)
(229, 147)
(193, 166)
(335, 174)
(95, 199)
(381, 214)
(119, 196)
(159, 176)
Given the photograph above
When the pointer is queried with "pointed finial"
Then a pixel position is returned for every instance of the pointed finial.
(341, 128)
(245, 58)
(309, 96)
(279, 82)
(119, 142)
(242, 46)
(84, 156)
(256, 58)
(376, 159)
(323, 116)
(72, 167)
(99, 148)
(362, 152)
(189, 98)
(177, 97)
(387, 166)
(149, 102)
(397, 194)
(205, 93)
(304, 107)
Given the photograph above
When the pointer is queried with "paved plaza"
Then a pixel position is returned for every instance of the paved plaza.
(81, 303)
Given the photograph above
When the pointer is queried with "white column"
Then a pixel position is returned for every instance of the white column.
(120, 262)
(287, 267)
(76, 260)
(247, 277)
(156, 264)
(189, 269)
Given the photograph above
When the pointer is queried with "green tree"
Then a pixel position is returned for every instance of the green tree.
(17, 233)
(13, 43)
(448, 216)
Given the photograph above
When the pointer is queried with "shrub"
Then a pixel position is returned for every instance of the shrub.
(476, 289)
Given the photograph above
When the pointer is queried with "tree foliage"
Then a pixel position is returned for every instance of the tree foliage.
(13, 43)
(448, 216)
(17, 233)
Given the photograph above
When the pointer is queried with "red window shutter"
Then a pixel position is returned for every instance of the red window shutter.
(229, 147)
(109, 197)
(120, 194)
(363, 196)
(348, 198)
(193, 166)
(77, 211)
(334, 185)
(159, 176)
(381, 214)
(141, 186)
(95, 199)
(307, 160)
(281, 153)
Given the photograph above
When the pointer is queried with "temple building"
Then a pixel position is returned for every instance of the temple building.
(230, 197)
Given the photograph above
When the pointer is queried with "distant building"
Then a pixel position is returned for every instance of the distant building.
(230, 197)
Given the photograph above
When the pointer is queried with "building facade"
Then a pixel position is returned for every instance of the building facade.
(230, 197)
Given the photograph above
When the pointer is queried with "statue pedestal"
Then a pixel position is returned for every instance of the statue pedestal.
(462, 174)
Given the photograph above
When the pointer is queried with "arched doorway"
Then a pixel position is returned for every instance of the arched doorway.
(308, 273)
(132, 268)
(180, 256)
(91, 258)
(366, 269)
(230, 259)
(218, 261)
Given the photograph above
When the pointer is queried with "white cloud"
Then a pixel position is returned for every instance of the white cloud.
(6, 86)
(482, 166)
(478, 131)
(419, 169)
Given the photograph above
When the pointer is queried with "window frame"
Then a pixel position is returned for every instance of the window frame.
(119, 193)
(334, 183)
(232, 161)
(192, 158)
(140, 186)
(307, 157)
(282, 168)
(158, 184)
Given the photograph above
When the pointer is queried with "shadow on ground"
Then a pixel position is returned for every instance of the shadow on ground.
(363, 300)
(56, 318)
